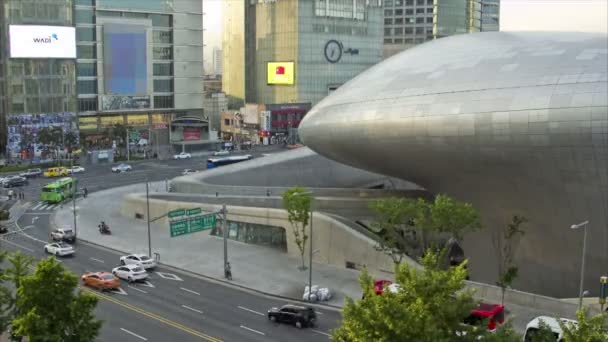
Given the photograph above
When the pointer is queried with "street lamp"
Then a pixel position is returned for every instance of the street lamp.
(574, 227)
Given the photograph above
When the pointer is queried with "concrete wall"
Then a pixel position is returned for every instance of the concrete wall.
(337, 243)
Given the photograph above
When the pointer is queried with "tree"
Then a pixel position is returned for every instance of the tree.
(51, 136)
(50, 309)
(71, 139)
(588, 329)
(5, 299)
(119, 133)
(505, 242)
(297, 202)
(430, 306)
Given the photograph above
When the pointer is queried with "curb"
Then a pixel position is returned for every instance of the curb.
(332, 307)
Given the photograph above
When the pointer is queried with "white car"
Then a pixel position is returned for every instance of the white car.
(122, 168)
(182, 155)
(138, 259)
(188, 172)
(552, 323)
(75, 169)
(63, 234)
(221, 153)
(59, 249)
(130, 272)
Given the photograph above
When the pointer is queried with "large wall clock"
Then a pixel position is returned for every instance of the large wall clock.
(333, 51)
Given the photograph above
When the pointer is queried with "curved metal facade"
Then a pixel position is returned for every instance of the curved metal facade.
(515, 123)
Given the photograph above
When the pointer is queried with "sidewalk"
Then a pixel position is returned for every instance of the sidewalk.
(260, 268)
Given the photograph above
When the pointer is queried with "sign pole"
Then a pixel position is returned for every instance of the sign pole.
(128, 156)
(225, 233)
(75, 185)
(148, 219)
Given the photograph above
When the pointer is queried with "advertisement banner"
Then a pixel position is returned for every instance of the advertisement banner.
(265, 120)
(280, 73)
(125, 59)
(118, 102)
(191, 133)
(161, 118)
(109, 121)
(137, 120)
(33, 41)
(87, 124)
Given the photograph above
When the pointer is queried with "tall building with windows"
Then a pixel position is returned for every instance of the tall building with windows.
(411, 22)
(37, 73)
(140, 63)
(217, 61)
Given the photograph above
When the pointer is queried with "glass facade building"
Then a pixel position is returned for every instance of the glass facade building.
(313, 47)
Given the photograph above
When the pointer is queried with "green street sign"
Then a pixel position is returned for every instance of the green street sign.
(178, 228)
(177, 213)
(200, 223)
(193, 211)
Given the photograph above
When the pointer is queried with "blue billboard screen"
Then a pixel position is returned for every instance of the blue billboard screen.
(125, 59)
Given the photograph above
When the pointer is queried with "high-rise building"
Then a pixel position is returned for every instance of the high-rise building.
(296, 51)
(411, 22)
(217, 61)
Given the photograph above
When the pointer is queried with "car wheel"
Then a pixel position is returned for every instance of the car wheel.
(122, 262)
(46, 250)
(130, 280)
(56, 253)
(299, 325)
(272, 318)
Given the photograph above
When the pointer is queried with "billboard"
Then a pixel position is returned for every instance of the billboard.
(280, 73)
(118, 102)
(192, 133)
(125, 64)
(34, 41)
(23, 133)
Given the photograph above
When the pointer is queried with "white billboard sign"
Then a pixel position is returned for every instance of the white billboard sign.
(31, 41)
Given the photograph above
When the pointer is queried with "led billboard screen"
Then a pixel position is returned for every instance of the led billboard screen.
(125, 62)
(280, 73)
(33, 41)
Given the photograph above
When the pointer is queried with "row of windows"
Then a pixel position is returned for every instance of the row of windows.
(41, 105)
(340, 9)
(407, 30)
(37, 11)
(396, 3)
(162, 69)
(31, 67)
(90, 69)
(400, 21)
(90, 104)
(338, 29)
(86, 16)
(90, 86)
(86, 51)
(162, 53)
(39, 86)
(406, 40)
(400, 12)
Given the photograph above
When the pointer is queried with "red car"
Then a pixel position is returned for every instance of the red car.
(380, 285)
(494, 313)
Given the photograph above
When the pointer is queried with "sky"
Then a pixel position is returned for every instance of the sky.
(516, 15)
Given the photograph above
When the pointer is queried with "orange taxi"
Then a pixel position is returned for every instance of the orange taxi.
(100, 280)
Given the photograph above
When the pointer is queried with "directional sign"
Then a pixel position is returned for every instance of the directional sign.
(177, 213)
(192, 224)
(193, 211)
(200, 223)
(178, 228)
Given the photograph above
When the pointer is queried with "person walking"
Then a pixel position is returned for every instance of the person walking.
(85, 192)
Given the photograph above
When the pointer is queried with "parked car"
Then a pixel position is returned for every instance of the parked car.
(533, 327)
(122, 168)
(138, 259)
(188, 172)
(493, 313)
(221, 153)
(100, 280)
(63, 234)
(75, 169)
(130, 272)
(31, 173)
(14, 181)
(300, 316)
(59, 249)
(182, 155)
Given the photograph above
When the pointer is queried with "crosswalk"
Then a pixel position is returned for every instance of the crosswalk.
(44, 206)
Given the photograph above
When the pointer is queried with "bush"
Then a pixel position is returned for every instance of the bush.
(4, 215)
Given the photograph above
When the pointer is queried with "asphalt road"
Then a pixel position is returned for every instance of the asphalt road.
(100, 177)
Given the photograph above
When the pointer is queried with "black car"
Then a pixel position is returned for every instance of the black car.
(300, 316)
(31, 173)
(14, 181)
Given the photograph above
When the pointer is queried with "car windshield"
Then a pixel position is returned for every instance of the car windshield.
(137, 269)
(63, 245)
(108, 277)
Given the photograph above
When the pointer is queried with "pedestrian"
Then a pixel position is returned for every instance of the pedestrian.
(85, 192)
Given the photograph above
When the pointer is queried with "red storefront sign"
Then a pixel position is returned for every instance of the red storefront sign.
(192, 133)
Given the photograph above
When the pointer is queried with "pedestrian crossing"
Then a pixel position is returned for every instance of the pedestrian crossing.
(44, 206)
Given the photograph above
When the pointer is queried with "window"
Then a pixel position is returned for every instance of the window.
(163, 37)
(429, 10)
(109, 14)
(163, 86)
(419, 10)
(398, 30)
(162, 53)
(409, 12)
(429, 2)
(163, 101)
(409, 2)
(17, 89)
(419, 2)
(419, 30)
(86, 69)
(388, 31)
(17, 108)
(85, 34)
(398, 21)
(163, 69)
(388, 41)
(85, 16)
(388, 21)
(84, 2)
(86, 51)
(398, 2)
(409, 30)
(388, 13)
(160, 20)
(419, 20)
(87, 105)
(227, 122)
(399, 12)
(409, 20)
(399, 41)
(134, 15)
(86, 86)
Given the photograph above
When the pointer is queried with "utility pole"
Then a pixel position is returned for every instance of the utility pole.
(128, 157)
(148, 218)
(310, 261)
(225, 233)
(75, 185)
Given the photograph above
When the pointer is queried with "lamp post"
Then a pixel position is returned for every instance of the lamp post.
(574, 227)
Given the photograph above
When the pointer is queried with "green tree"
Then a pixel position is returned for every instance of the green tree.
(50, 309)
(51, 136)
(588, 329)
(71, 139)
(6, 301)
(430, 306)
(19, 267)
(505, 242)
(119, 134)
(297, 202)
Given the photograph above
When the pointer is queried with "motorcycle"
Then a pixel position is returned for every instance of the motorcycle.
(104, 229)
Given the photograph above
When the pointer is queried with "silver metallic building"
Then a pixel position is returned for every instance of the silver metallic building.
(515, 123)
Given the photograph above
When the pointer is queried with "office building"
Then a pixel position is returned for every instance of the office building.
(411, 22)
(217, 61)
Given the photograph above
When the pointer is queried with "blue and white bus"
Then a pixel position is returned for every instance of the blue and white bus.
(217, 162)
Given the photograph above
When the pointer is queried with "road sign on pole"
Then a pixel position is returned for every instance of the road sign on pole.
(177, 213)
(192, 224)
(178, 228)
(193, 211)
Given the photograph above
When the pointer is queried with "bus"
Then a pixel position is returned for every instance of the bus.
(217, 162)
(59, 190)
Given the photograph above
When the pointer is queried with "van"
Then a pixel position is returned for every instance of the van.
(56, 172)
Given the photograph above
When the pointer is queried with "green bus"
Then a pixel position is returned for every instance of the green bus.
(59, 190)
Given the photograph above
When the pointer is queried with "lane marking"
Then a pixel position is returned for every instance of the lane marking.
(193, 292)
(136, 289)
(192, 309)
(252, 311)
(152, 316)
(18, 245)
(134, 334)
(120, 291)
(320, 332)
(98, 260)
(253, 330)
(44, 207)
(169, 276)
(38, 213)
(148, 284)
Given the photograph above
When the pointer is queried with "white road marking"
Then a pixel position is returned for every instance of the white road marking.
(37, 206)
(169, 276)
(253, 330)
(319, 313)
(148, 284)
(252, 311)
(136, 289)
(192, 309)
(18, 245)
(44, 207)
(320, 332)
(134, 334)
(120, 291)
(52, 207)
(98, 260)
(193, 292)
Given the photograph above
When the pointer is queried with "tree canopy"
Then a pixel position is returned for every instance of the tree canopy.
(297, 202)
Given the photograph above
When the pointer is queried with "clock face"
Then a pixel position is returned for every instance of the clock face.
(333, 51)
